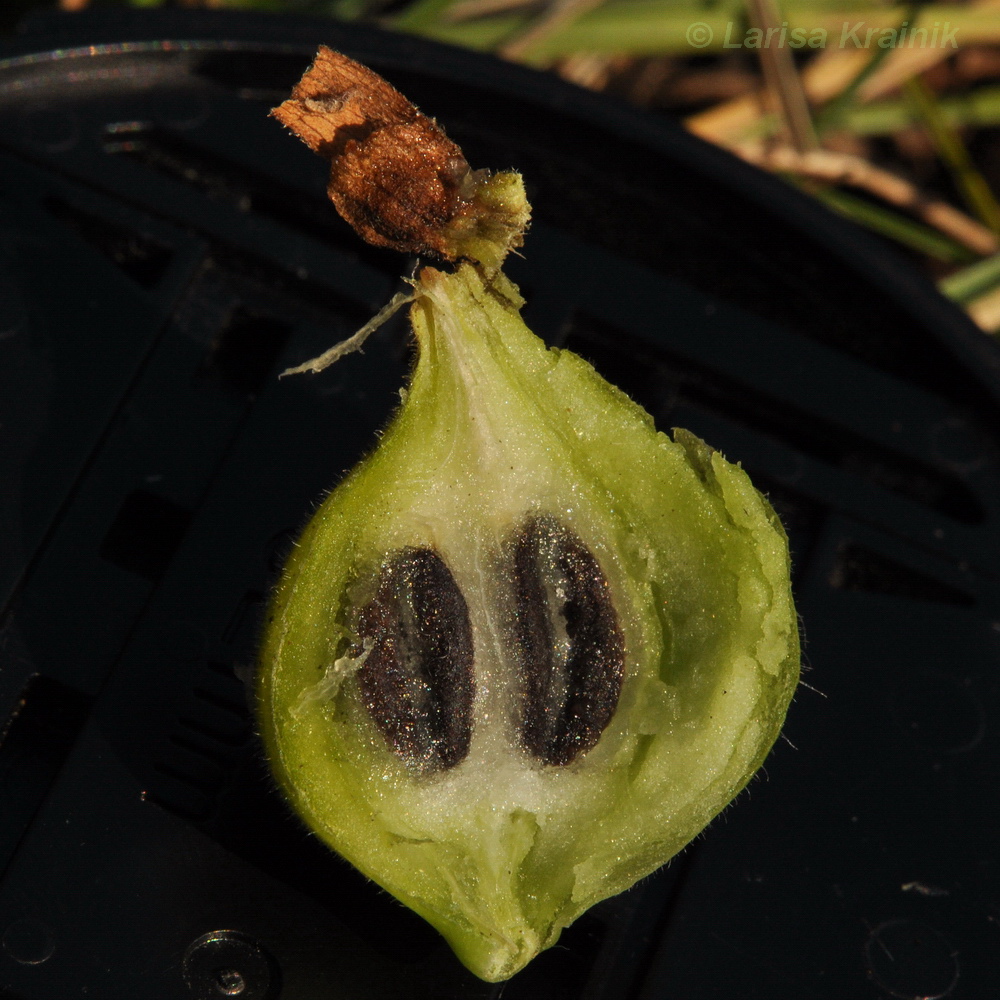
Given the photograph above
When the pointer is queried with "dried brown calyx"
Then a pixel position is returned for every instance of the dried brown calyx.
(394, 174)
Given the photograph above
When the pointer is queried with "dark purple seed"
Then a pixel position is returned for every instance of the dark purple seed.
(417, 682)
(569, 645)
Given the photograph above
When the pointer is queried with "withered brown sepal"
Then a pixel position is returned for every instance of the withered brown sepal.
(394, 175)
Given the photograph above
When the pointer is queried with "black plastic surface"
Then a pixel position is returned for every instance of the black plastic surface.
(165, 249)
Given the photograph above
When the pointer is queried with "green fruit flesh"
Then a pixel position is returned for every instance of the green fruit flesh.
(500, 850)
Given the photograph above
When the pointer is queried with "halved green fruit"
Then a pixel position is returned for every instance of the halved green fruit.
(464, 758)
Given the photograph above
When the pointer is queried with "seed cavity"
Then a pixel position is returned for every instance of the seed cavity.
(417, 682)
(569, 645)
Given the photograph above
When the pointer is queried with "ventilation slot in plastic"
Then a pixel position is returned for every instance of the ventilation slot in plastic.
(246, 350)
(145, 534)
(208, 742)
(860, 568)
(34, 744)
(227, 180)
(144, 259)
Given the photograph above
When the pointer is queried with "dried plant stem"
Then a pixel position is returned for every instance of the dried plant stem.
(985, 311)
(588, 69)
(843, 168)
(902, 64)
(782, 79)
(822, 80)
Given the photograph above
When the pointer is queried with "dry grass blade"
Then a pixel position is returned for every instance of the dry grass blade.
(824, 78)
(985, 311)
(903, 64)
(592, 70)
(782, 78)
(843, 168)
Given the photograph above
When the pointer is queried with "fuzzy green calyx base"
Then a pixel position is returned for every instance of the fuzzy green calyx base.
(501, 851)
(493, 221)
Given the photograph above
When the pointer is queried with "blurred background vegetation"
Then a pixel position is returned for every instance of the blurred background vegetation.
(889, 113)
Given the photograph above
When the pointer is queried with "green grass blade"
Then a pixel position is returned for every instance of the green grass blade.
(654, 27)
(833, 112)
(971, 282)
(952, 151)
(422, 16)
(897, 227)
